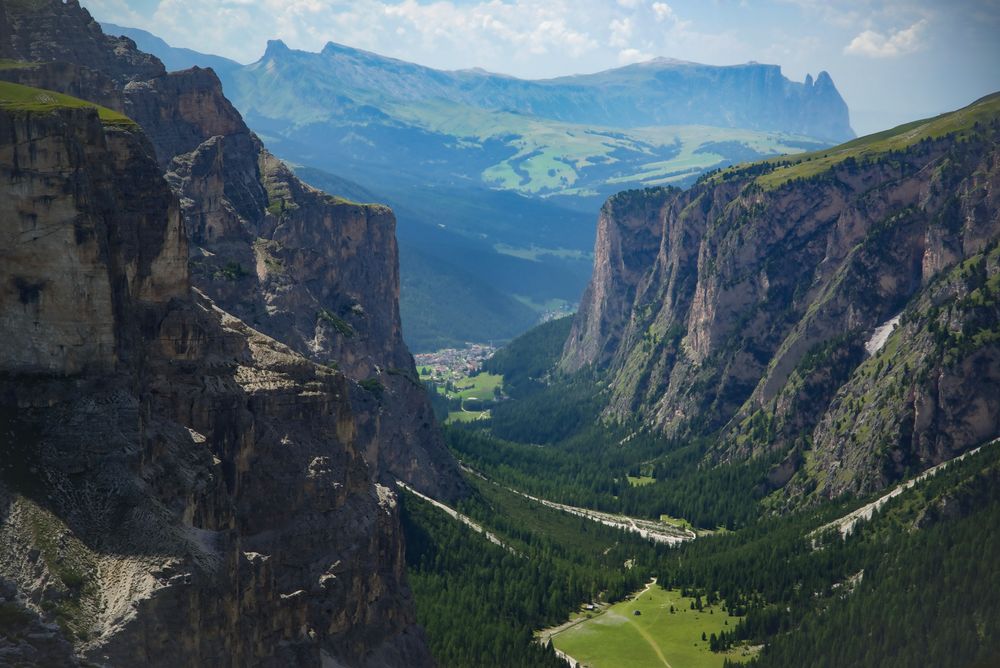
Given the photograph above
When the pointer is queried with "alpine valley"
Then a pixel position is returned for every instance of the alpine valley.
(768, 436)
(495, 179)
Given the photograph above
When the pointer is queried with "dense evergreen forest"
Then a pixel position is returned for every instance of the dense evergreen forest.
(918, 584)
(481, 602)
(587, 463)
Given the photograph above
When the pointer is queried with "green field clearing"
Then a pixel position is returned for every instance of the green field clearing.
(639, 481)
(480, 386)
(467, 416)
(477, 387)
(618, 638)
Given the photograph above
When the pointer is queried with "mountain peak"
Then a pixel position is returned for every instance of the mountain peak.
(333, 47)
(276, 47)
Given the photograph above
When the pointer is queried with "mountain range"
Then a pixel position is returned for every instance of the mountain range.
(776, 413)
(523, 165)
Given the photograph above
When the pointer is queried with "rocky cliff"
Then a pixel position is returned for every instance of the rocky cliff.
(175, 488)
(750, 321)
(314, 272)
(181, 486)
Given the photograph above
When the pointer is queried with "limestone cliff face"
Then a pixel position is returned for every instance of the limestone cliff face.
(175, 487)
(60, 308)
(628, 237)
(316, 273)
(768, 280)
(929, 394)
(180, 486)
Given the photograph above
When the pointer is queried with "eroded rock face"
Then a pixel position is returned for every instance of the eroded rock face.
(629, 231)
(60, 307)
(753, 313)
(180, 489)
(314, 272)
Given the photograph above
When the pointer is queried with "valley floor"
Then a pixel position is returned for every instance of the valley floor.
(655, 628)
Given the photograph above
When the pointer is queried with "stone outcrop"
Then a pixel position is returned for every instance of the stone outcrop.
(768, 279)
(176, 488)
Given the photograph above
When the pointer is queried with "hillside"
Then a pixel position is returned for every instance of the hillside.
(739, 309)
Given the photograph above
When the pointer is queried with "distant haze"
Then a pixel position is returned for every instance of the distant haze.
(892, 61)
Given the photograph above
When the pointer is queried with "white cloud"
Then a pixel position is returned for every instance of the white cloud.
(662, 11)
(621, 32)
(628, 56)
(529, 38)
(879, 45)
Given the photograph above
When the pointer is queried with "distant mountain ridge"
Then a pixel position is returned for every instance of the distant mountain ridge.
(662, 91)
(173, 58)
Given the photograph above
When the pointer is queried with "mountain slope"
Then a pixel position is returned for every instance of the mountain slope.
(574, 135)
(739, 308)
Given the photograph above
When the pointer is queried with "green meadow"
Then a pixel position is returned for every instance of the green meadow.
(657, 637)
(16, 97)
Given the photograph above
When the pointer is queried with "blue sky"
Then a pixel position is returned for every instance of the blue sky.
(892, 61)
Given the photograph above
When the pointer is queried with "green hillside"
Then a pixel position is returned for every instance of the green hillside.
(960, 123)
(15, 97)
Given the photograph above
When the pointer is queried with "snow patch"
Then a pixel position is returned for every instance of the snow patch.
(881, 335)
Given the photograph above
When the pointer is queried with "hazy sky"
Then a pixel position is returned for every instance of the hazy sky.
(892, 61)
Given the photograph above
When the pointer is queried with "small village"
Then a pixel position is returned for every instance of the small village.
(453, 363)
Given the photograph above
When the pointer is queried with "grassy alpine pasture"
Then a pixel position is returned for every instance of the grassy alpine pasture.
(656, 638)
(15, 97)
(962, 123)
(554, 156)
(640, 480)
(480, 387)
(467, 416)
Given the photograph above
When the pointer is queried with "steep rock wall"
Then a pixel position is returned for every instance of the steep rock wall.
(768, 280)
(336, 302)
(182, 489)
